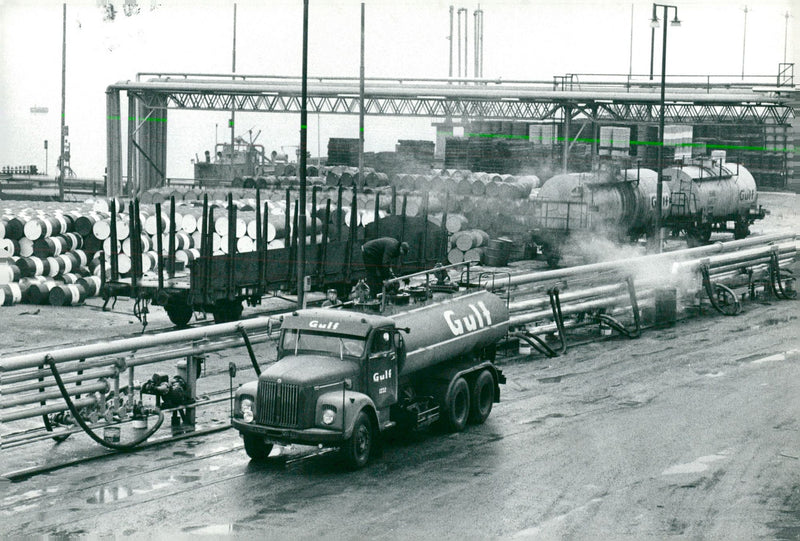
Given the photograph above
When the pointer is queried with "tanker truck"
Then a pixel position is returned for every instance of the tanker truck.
(342, 377)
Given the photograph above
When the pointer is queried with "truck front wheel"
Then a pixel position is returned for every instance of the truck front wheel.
(256, 447)
(357, 449)
(482, 398)
(457, 406)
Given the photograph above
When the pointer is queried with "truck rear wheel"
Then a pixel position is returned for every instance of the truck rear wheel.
(256, 447)
(481, 398)
(457, 406)
(357, 449)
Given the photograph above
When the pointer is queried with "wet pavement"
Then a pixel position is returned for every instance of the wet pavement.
(689, 431)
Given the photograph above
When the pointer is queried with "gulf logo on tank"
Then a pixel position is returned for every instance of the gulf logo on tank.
(479, 318)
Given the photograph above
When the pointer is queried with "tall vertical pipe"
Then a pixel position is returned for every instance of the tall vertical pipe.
(63, 104)
(450, 68)
(480, 11)
(466, 41)
(458, 47)
(301, 252)
(475, 34)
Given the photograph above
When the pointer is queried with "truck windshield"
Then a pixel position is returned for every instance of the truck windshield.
(295, 340)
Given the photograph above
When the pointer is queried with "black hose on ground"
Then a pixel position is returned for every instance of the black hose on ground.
(79, 419)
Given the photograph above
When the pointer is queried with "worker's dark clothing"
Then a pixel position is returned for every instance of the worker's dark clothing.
(379, 255)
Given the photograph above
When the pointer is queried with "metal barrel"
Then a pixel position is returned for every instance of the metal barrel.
(67, 295)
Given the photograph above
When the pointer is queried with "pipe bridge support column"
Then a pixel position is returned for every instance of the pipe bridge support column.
(567, 125)
(147, 142)
(113, 144)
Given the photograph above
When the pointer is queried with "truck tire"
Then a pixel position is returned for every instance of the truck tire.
(357, 449)
(456, 408)
(256, 448)
(481, 398)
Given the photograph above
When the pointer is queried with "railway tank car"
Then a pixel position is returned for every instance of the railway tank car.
(620, 205)
(706, 195)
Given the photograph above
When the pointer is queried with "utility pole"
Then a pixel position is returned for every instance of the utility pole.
(64, 160)
(630, 49)
(233, 98)
(785, 35)
(361, 106)
(744, 38)
(301, 219)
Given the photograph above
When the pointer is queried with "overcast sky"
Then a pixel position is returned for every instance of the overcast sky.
(522, 40)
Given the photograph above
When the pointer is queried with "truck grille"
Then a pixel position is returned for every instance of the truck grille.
(278, 404)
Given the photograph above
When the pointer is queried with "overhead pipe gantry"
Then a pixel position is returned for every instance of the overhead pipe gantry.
(601, 101)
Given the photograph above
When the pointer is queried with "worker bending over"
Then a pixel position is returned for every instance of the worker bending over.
(379, 256)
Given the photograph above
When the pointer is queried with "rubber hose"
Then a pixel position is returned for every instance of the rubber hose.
(250, 351)
(79, 419)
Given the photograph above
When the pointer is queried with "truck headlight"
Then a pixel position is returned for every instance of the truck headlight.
(328, 416)
(246, 407)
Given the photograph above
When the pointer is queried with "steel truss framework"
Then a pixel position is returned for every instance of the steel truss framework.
(448, 100)
(484, 109)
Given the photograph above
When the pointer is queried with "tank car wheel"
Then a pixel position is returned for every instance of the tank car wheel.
(226, 311)
(456, 406)
(698, 235)
(357, 449)
(741, 230)
(256, 448)
(481, 398)
(179, 313)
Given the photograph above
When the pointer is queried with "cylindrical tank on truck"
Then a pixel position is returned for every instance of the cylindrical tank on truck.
(343, 377)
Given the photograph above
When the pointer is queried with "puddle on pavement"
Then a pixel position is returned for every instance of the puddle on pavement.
(553, 379)
(110, 494)
(214, 529)
(791, 354)
(699, 465)
(116, 493)
(28, 495)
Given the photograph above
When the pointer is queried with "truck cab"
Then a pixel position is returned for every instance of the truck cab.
(336, 374)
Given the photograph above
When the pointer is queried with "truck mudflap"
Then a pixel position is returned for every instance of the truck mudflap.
(286, 436)
(501, 378)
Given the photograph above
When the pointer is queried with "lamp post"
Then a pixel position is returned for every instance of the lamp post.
(654, 23)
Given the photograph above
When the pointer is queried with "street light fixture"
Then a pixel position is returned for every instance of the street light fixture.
(654, 23)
